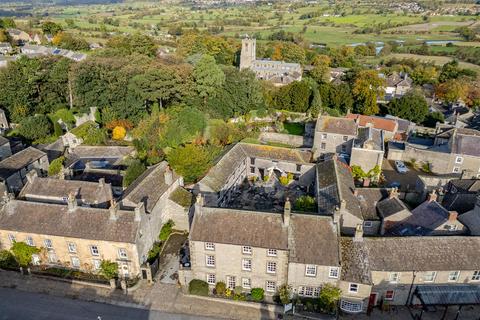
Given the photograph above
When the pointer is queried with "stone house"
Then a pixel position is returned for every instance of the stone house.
(390, 127)
(14, 169)
(244, 161)
(19, 36)
(390, 270)
(48, 190)
(5, 48)
(73, 236)
(368, 149)
(250, 249)
(334, 135)
(280, 73)
(5, 149)
(397, 85)
(70, 140)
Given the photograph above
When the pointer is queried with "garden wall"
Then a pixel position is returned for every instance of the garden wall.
(289, 139)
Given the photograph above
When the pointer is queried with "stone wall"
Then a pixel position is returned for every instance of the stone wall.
(289, 139)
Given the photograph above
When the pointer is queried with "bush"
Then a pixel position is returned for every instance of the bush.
(154, 252)
(305, 203)
(220, 288)
(166, 230)
(56, 166)
(7, 260)
(198, 287)
(257, 294)
(35, 127)
(329, 296)
(109, 269)
(134, 170)
(23, 253)
(119, 133)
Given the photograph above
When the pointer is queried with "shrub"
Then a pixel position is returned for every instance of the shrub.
(238, 290)
(198, 287)
(329, 296)
(7, 260)
(109, 269)
(284, 180)
(257, 294)
(119, 133)
(284, 293)
(154, 252)
(23, 253)
(35, 127)
(166, 230)
(305, 203)
(220, 288)
(134, 170)
(56, 166)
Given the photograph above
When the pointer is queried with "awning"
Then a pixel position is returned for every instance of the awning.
(461, 294)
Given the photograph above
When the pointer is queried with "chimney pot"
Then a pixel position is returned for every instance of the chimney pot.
(71, 201)
(113, 210)
(101, 181)
(168, 176)
(355, 192)
(452, 216)
(139, 210)
(358, 233)
(287, 212)
(31, 176)
(432, 196)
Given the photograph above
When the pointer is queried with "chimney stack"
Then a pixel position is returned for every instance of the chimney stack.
(139, 211)
(168, 176)
(355, 192)
(452, 216)
(358, 233)
(432, 196)
(393, 193)
(343, 204)
(101, 182)
(287, 212)
(113, 210)
(31, 176)
(199, 204)
(72, 202)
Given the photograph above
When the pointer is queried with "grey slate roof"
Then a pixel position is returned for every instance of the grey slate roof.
(451, 294)
(3, 140)
(369, 138)
(336, 125)
(407, 254)
(314, 241)
(54, 219)
(148, 187)
(368, 199)
(238, 227)
(390, 206)
(19, 161)
(91, 192)
(218, 174)
(471, 220)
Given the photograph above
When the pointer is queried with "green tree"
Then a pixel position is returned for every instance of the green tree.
(321, 69)
(366, 88)
(23, 253)
(412, 106)
(166, 230)
(56, 166)
(35, 127)
(134, 170)
(134, 43)
(208, 77)
(109, 269)
(49, 27)
(7, 260)
(329, 297)
(467, 33)
(432, 118)
(284, 293)
(6, 23)
(191, 161)
(70, 41)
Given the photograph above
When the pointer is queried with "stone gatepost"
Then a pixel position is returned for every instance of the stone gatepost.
(123, 284)
(113, 283)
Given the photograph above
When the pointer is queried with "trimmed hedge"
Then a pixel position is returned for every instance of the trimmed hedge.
(198, 287)
(257, 294)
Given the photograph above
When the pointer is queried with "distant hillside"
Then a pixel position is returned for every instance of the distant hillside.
(60, 2)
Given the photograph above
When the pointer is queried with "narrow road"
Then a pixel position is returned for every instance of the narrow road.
(19, 305)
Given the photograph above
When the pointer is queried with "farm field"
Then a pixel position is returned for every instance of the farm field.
(439, 60)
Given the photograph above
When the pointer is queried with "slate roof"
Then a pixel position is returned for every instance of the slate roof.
(90, 192)
(390, 206)
(369, 138)
(149, 187)
(451, 294)
(56, 220)
(399, 254)
(377, 122)
(218, 174)
(19, 161)
(107, 152)
(471, 220)
(314, 240)
(3, 140)
(368, 199)
(336, 125)
(238, 227)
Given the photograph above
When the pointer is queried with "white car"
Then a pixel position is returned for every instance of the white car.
(400, 166)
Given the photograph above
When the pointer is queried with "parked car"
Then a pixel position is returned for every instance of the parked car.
(400, 166)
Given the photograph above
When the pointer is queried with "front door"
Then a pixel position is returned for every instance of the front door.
(372, 301)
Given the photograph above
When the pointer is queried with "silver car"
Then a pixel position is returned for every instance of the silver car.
(400, 166)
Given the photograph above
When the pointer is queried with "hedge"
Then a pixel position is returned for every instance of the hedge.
(198, 287)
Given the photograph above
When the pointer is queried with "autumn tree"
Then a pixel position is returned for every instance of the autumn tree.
(321, 69)
(49, 27)
(366, 88)
(453, 90)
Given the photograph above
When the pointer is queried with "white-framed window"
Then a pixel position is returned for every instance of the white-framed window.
(211, 279)
(94, 251)
(35, 259)
(430, 276)
(75, 262)
(306, 291)
(72, 248)
(271, 267)
(353, 288)
(459, 160)
(11, 238)
(333, 272)
(30, 242)
(270, 286)
(247, 264)
(345, 138)
(122, 253)
(323, 146)
(310, 270)
(389, 295)
(48, 243)
(209, 246)
(246, 283)
(476, 275)
(97, 264)
(353, 307)
(324, 136)
(247, 250)
(394, 277)
(231, 282)
(272, 252)
(52, 257)
(453, 276)
(367, 224)
(210, 261)
(456, 169)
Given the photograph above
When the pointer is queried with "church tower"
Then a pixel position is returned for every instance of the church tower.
(247, 56)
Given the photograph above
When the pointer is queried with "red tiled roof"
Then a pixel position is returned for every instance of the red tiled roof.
(378, 123)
